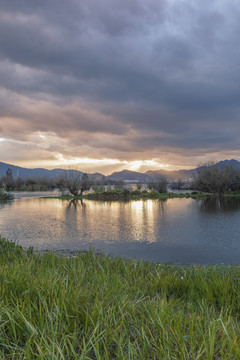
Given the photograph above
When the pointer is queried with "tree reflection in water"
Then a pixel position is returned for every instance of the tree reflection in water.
(217, 204)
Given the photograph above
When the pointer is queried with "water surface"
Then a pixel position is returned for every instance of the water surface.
(177, 230)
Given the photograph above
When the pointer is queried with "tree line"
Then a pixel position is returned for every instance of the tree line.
(209, 178)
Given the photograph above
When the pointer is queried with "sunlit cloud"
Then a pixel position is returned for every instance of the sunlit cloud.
(42, 136)
(79, 161)
(129, 165)
(140, 164)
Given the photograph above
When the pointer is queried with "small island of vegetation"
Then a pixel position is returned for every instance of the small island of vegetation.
(127, 195)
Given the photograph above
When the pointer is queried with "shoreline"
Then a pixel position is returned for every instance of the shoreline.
(71, 254)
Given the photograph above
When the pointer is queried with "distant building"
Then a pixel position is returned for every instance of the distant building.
(131, 181)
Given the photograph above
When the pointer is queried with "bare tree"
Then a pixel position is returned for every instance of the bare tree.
(9, 180)
(150, 185)
(118, 185)
(177, 185)
(85, 184)
(2, 182)
(160, 184)
(139, 186)
(19, 182)
(215, 179)
(75, 182)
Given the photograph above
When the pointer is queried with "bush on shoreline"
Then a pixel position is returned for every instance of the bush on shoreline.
(4, 196)
(93, 306)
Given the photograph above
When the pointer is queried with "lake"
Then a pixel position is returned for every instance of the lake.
(181, 231)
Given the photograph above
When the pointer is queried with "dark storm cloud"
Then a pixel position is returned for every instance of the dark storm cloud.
(153, 75)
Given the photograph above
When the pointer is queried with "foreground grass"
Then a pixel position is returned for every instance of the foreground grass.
(96, 307)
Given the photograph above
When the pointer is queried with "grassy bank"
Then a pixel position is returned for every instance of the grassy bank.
(96, 307)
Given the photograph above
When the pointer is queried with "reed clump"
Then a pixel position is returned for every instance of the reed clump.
(92, 306)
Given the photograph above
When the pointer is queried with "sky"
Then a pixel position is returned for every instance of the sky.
(111, 85)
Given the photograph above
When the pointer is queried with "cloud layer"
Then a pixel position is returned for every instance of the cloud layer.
(130, 80)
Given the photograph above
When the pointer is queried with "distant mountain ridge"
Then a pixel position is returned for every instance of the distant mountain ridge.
(233, 163)
(151, 175)
(25, 172)
(128, 175)
(188, 175)
(18, 171)
(125, 175)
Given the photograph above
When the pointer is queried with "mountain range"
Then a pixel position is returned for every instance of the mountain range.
(125, 175)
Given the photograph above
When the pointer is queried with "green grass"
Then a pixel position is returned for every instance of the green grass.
(233, 194)
(95, 307)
